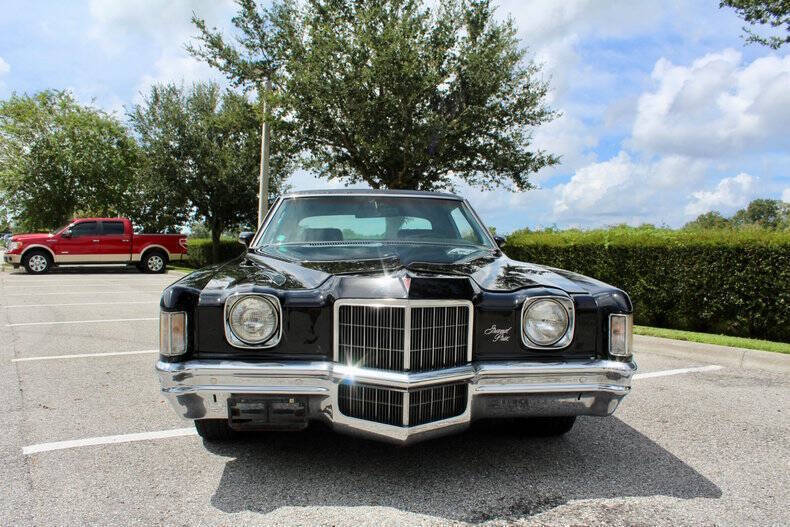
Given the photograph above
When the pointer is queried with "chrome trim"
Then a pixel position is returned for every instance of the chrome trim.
(407, 304)
(200, 389)
(235, 341)
(567, 337)
(390, 194)
(629, 343)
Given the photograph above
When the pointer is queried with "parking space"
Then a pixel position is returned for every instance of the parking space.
(693, 443)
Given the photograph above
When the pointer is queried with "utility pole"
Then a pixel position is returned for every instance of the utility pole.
(263, 187)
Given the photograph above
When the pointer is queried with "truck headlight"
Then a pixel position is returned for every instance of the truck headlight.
(13, 246)
(547, 322)
(172, 333)
(252, 320)
(621, 335)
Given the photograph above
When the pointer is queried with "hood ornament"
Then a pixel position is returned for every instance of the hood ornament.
(406, 283)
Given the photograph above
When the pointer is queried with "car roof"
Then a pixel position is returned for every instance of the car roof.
(372, 192)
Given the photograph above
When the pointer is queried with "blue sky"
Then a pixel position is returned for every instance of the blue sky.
(665, 114)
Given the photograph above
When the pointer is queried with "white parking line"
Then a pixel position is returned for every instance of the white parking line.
(82, 304)
(82, 355)
(128, 292)
(108, 440)
(679, 371)
(178, 432)
(26, 287)
(97, 321)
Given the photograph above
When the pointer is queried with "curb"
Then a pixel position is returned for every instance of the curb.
(723, 355)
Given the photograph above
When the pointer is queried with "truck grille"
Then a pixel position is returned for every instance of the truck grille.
(403, 335)
(384, 405)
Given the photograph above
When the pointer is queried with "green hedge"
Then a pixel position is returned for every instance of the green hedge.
(200, 251)
(730, 282)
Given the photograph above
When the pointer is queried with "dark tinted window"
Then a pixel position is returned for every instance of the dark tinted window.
(86, 228)
(112, 227)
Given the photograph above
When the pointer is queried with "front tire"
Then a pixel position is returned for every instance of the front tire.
(154, 262)
(37, 262)
(214, 429)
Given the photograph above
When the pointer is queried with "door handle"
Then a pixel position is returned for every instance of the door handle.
(95, 241)
(125, 241)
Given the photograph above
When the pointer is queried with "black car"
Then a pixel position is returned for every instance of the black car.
(392, 314)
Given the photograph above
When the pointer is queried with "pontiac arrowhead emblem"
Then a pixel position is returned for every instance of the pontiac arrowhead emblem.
(407, 282)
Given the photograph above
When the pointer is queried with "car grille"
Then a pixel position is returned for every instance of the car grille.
(384, 405)
(403, 336)
(371, 404)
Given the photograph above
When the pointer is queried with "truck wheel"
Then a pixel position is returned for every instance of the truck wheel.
(154, 262)
(550, 426)
(214, 429)
(37, 262)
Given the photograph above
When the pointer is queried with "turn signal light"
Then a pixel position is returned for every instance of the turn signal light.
(172, 333)
(621, 335)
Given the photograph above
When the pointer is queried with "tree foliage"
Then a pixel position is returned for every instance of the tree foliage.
(775, 13)
(770, 214)
(201, 147)
(59, 157)
(394, 93)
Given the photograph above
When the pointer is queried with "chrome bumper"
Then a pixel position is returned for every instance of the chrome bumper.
(200, 389)
(13, 259)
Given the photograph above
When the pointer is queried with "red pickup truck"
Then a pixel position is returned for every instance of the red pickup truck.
(92, 241)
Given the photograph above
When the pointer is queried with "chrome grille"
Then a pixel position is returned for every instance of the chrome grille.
(379, 405)
(439, 337)
(403, 335)
(371, 336)
(436, 403)
(386, 405)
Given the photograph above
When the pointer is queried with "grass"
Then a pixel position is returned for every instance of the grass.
(709, 338)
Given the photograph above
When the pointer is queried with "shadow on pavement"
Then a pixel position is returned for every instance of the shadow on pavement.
(488, 473)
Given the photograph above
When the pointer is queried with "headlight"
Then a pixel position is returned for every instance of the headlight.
(621, 335)
(172, 333)
(253, 320)
(547, 322)
(13, 246)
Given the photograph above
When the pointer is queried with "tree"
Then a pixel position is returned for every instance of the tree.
(767, 213)
(203, 144)
(396, 94)
(775, 13)
(58, 157)
(709, 220)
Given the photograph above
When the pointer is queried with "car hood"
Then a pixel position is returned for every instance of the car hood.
(491, 271)
(29, 238)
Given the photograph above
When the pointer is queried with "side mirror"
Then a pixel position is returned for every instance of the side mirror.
(246, 237)
(500, 241)
(66, 234)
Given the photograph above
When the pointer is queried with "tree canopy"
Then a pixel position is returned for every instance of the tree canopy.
(770, 214)
(775, 13)
(59, 158)
(201, 149)
(394, 93)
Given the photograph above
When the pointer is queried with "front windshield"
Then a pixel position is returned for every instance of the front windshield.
(374, 221)
(57, 231)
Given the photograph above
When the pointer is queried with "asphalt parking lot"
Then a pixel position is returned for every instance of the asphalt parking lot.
(692, 444)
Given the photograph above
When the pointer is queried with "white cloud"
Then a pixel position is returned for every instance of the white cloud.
(786, 195)
(622, 189)
(176, 68)
(730, 193)
(117, 25)
(4, 67)
(715, 107)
